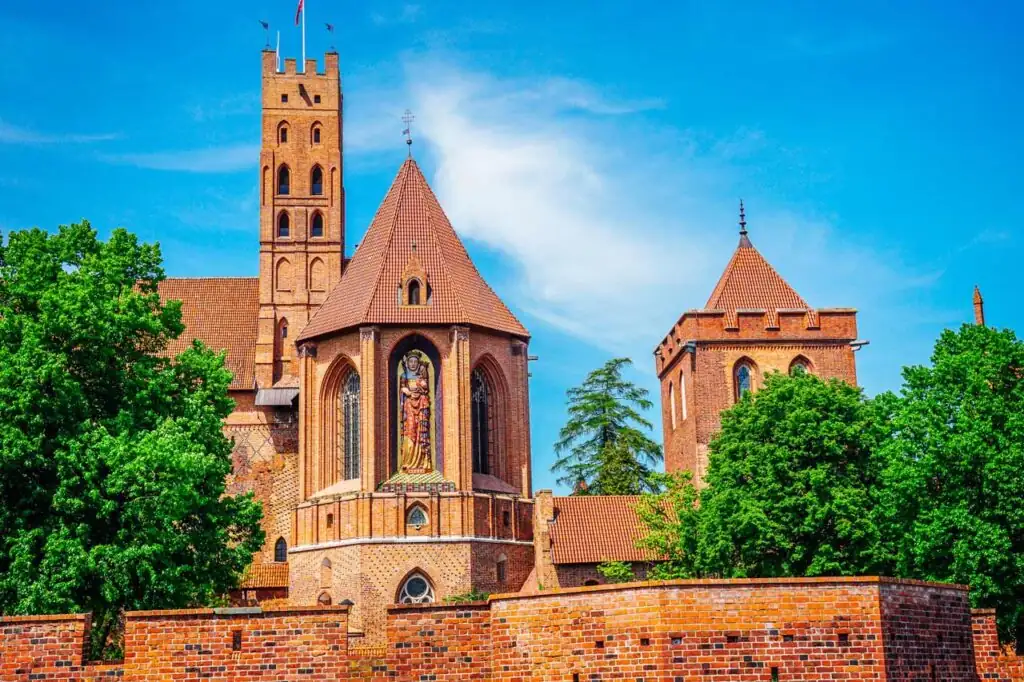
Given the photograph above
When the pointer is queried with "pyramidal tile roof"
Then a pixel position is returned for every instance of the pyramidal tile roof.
(410, 227)
(222, 313)
(750, 282)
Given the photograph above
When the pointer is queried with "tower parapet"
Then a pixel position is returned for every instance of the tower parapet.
(302, 206)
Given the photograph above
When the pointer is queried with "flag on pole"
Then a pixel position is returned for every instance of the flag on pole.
(265, 25)
(330, 28)
(298, 12)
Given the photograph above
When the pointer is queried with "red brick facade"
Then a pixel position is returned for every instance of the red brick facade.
(800, 629)
(698, 359)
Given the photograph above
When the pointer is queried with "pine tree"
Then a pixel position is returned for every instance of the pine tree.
(603, 448)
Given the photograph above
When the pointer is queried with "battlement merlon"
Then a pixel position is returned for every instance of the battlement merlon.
(823, 325)
(332, 68)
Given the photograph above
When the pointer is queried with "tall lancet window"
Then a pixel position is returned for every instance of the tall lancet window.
(743, 380)
(480, 394)
(349, 398)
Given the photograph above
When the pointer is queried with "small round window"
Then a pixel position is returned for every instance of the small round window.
(416, 590)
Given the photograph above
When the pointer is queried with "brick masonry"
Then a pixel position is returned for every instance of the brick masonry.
(799, 629)
(698, 383)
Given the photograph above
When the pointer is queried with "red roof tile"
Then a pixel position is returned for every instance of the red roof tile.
(222, 313)
(590, 529)
(369, 289)
(750, 282)
(265, 575)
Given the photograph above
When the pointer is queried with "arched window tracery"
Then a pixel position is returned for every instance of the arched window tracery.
(416, 590)
(349, 427)
(481, 400)
(743, 379)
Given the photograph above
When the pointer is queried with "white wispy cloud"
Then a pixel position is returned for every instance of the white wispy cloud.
(611, 226)
(12, 134)
(225, 159)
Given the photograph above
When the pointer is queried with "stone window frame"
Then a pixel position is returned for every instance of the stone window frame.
(406, 596)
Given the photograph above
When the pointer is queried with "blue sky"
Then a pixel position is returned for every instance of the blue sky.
(590, 154)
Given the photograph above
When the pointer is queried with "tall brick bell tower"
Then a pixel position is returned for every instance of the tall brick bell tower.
(753, 323)
(302, 212)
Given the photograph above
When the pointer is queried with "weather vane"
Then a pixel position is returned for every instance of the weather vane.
(743, 219)
(407, 119)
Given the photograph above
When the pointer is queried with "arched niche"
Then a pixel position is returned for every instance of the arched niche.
(409, 390)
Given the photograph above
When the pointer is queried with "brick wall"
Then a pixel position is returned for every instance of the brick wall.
(43, 647)
(792, 630)
(707, 373)
(992, 661)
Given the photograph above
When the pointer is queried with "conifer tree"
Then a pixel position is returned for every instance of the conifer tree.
(604, 449)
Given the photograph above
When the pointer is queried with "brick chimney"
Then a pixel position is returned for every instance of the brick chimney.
(979, 307)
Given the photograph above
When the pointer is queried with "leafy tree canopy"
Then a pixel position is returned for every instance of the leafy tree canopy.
(112, 458)
(790, 481)
(954, 485)
(604, 447)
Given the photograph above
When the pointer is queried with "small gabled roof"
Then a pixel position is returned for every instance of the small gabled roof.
(410, 227)
(750, 282)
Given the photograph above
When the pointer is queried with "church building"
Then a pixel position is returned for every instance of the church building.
(382, 401)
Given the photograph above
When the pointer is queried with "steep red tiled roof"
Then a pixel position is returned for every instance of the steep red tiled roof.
(369, 289)
(265, 575)
(750, 282)
(221, 312)
(590, 529)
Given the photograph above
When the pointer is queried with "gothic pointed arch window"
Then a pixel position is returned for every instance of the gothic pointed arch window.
(743, 379)
(482, 399)
(416, 589)
(414, 292)
(283, 180)
(800, 365)
(316, 181)
(349, 398)
(282, 132)
(284, 225)
(280, 551)
(682, 394)
(672, 403)
(315, 134)
(316, 225)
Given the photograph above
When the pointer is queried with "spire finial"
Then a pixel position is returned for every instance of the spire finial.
(979, 307)
(407, 119)
(744, 239)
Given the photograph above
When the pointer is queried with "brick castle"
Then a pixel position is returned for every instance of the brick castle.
(382, 418)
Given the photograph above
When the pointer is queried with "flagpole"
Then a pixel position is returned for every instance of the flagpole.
(303, 37)
(277, 52)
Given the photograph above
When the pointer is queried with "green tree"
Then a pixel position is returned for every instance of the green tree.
(616, 571)
(603, 448)
(791, 483)
(673, 528)
(954, 486)
(112, 457)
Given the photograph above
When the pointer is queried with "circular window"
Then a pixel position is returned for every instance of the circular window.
(416, 590)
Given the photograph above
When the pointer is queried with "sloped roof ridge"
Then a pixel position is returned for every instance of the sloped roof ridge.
(392, 228)
(776, 290)
(442, 258)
